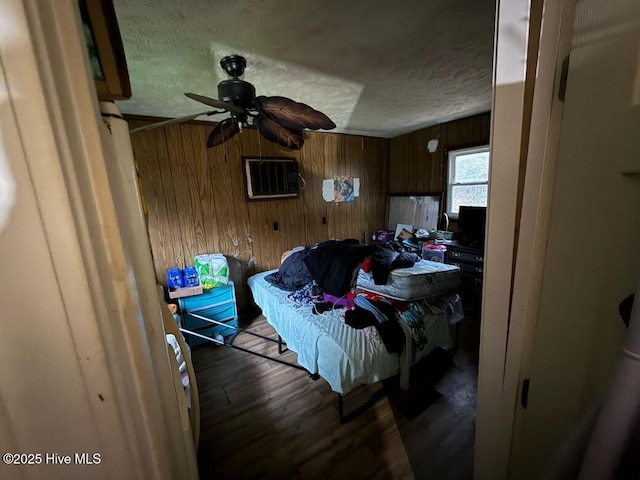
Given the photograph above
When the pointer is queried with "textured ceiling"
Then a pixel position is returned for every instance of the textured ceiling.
(375, 67)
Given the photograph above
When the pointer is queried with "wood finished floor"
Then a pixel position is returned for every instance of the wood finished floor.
(261, 419)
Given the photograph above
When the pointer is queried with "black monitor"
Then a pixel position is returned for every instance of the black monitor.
(471, 225)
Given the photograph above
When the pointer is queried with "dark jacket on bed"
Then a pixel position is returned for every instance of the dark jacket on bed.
(293, 273)
(334, 263)
(387, 258)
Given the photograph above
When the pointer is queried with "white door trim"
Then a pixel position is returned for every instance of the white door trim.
(509, 75)
(512, 277)
(135, 415)
(546, 118)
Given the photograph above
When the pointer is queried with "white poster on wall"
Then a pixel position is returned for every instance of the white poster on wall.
(328, 192)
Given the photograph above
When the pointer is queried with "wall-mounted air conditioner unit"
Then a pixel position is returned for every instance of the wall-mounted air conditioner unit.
(271, 177)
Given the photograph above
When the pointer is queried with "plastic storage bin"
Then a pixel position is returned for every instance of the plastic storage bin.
(434, 253)
(216, 304)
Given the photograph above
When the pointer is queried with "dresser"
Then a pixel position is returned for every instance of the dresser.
(470, 260)
(216, 304)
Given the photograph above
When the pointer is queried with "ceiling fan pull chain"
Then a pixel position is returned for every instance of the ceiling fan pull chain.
(225, 147)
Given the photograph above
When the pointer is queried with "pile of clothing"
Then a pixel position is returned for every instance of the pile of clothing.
(333, 265)
(324, 277)
(373, 310)
(386, 257)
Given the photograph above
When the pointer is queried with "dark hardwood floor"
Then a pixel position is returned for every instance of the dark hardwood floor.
(261, 419)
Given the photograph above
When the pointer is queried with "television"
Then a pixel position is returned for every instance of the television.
(471, 226)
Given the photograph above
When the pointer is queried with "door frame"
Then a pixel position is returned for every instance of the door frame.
(542, 156)
(120, 348)
(531, 42)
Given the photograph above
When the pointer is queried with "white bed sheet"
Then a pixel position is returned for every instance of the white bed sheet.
(344, 356)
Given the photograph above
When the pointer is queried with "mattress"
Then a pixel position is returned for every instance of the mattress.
(345, 357)
(426, 279)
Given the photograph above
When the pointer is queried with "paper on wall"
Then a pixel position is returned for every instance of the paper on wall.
(328, 191)
(356, 187)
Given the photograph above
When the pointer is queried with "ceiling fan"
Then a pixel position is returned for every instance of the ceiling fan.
(278, 119)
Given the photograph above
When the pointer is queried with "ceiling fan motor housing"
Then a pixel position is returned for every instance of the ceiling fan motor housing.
(237, 92)
(234, 90)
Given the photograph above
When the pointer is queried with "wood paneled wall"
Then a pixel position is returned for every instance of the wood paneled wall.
(415, 170)
(197, 203)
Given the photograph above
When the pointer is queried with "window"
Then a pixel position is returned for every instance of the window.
(468, 178)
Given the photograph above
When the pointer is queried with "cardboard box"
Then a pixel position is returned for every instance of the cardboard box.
(185, 292)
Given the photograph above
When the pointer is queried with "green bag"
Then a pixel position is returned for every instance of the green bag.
(213, 270)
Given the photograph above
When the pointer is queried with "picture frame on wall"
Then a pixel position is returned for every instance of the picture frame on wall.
(106, 52)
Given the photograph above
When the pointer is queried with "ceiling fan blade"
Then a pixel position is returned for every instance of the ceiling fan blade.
(222, 132)
(173, 121)
(293, 114)
(216, 103)
(274, 132)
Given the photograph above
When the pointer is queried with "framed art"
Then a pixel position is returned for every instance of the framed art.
(106, 53)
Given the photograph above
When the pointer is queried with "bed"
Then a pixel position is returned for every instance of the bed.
(344, 356)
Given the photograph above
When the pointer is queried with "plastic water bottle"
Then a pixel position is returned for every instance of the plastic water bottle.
(174, 278)
(190, 277)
